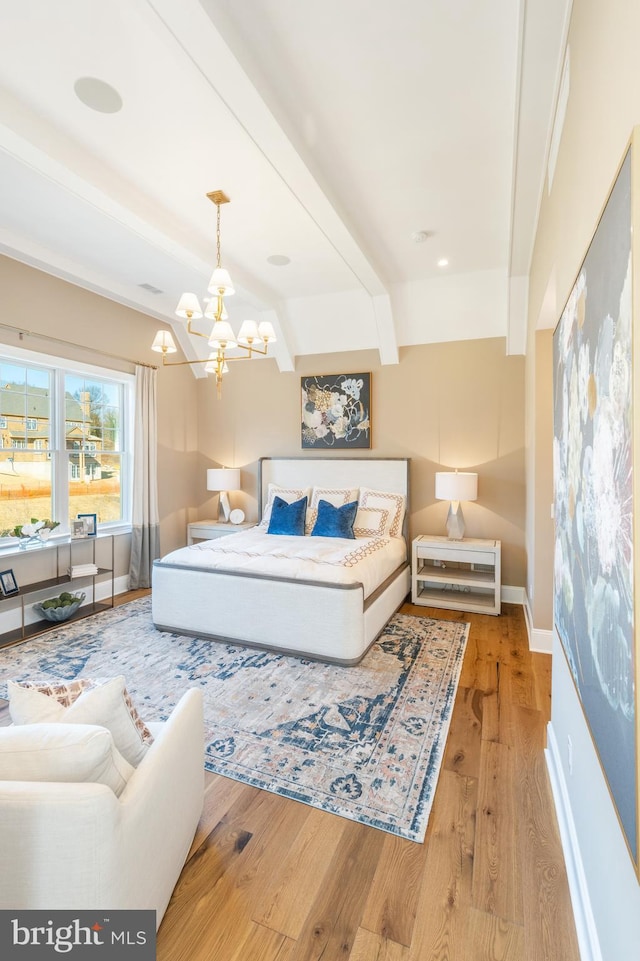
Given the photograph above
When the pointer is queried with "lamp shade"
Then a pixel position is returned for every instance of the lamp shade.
(223, 479)
(456, 486)
(248, 332)
(267, 332)
(222, 337)
(220, 282)
(211, 310)
(189, 307)
(163, 343)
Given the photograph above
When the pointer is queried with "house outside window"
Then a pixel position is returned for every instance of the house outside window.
(67, 444)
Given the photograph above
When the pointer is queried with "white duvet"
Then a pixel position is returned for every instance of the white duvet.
(337, 560)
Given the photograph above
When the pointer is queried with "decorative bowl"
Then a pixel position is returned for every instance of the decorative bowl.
(58, 614)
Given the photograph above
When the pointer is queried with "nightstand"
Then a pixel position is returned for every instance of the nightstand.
(456, 575)
(208, 530)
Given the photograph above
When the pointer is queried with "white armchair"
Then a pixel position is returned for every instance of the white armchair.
(79, 846)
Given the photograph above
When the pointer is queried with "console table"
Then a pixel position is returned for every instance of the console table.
(62, 553)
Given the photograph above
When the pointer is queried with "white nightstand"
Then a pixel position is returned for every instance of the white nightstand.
(456, 575)
(208, 530)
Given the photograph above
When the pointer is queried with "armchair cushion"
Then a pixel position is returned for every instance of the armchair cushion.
(62, 752)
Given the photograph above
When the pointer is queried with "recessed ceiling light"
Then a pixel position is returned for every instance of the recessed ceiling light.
(98, 95)
(278, 260)
(443, 262)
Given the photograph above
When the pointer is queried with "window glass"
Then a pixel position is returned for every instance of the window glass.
(93, 412)
(25, 418)
(65, 441)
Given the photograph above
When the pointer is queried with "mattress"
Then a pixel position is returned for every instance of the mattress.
(329, 560)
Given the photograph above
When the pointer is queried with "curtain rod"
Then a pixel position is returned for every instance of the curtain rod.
(21, 331)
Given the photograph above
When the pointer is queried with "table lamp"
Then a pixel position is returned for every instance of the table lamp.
(223, 479)
(456, 486)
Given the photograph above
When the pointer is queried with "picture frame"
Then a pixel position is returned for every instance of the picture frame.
(336, 411)
(8, 583)
(78, 529)
(90, 522)
(596, 371)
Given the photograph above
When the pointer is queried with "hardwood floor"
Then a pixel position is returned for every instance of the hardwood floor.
(269, 879)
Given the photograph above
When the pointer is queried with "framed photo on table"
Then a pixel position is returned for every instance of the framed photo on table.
(90, 522)
(78, 529)
(8, 583)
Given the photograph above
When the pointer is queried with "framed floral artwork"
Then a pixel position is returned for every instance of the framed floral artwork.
(593, 456)
(336, 411)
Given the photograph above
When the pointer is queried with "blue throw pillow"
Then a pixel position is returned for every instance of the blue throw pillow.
(287, 518)
(335, 521)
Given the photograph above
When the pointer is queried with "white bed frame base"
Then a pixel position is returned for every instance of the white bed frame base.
(316, 620)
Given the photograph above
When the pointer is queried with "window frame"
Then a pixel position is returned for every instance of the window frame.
(58, 368)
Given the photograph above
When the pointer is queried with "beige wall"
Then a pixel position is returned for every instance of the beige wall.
(37, 302)
(444, 406)
(603, 107)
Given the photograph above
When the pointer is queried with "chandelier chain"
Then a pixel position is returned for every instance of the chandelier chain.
(218, 234)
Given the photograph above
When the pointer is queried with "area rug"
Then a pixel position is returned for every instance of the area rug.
(363, 742)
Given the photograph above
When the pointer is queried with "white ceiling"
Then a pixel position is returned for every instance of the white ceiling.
(337, 128)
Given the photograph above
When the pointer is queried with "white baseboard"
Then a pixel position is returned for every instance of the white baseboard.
(588, 942)
(540, 641)
(512, 595)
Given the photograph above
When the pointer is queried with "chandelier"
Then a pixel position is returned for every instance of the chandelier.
(252, 337)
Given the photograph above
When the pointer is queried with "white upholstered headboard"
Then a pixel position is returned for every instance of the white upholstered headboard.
(380, 473)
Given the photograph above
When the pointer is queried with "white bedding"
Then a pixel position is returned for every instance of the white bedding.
(335, 560)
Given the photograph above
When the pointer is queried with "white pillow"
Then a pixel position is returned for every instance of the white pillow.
(62, 752)
(338, 496)
(107, 704)
(371, 522)
(394, 503)
(288, 494)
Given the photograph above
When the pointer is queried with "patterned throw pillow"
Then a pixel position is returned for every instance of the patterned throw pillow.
(84, 701)
(394, 503)
(288, 494)
(371, 522)
(338, 496)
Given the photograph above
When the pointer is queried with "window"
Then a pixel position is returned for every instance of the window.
(68, 444)
(3, 423)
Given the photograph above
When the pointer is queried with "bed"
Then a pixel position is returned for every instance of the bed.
(320, 597)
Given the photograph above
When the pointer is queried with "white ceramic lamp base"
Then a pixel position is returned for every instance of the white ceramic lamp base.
(455, 522)
(224, 508)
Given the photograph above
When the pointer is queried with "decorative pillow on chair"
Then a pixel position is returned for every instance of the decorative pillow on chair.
(287, 518)
(105, 703)
(335, 521)
(62, 752)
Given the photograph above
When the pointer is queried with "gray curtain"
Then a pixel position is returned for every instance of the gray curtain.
(145, 540)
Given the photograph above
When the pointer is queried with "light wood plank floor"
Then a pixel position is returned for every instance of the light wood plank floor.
(269, 879)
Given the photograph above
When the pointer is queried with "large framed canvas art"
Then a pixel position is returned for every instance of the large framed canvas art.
(336, 411)
(593, 450)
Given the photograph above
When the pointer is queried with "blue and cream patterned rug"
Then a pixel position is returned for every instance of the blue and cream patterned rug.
(364, 742)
